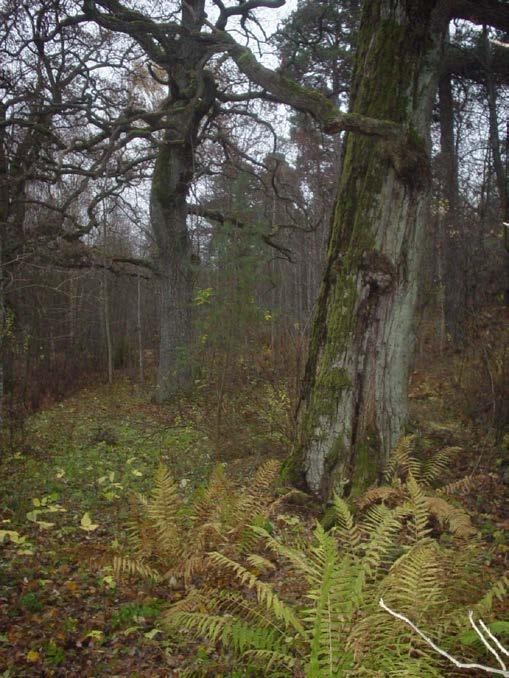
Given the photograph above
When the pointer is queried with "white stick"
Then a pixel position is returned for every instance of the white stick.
(443, 653)
(485, 642)
(492, 637)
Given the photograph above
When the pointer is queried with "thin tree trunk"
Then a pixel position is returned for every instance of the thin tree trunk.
(3, 330)
(354, 400)
(453, 281)
(106, 311)
(501, 174)
(141, 366)
(4, 208)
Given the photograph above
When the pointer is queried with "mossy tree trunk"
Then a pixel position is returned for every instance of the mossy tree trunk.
(191, 95)
(353, 407)
(168, 215)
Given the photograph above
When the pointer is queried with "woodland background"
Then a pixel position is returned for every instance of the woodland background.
(87, 414)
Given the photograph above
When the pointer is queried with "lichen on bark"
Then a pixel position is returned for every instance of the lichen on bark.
(353, 403)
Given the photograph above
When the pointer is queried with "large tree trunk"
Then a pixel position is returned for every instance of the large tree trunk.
(168, 214)
(354, 400)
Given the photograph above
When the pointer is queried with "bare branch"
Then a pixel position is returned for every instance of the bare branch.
(443, 653)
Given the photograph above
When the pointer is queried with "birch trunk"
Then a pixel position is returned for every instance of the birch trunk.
(354, 400)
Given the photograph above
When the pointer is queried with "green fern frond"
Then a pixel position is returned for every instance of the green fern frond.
(271, 658)
(323, 618)
(498, 591)
(200, 623)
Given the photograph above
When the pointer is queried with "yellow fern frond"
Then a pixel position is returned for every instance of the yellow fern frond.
(256, 497)
(386, 494)
(465, 485)
(260, 563)
(456, 519)
(163, 506)
(131, 566)
(264, 592)
(401, 459)
(437, 464)
(420, 508)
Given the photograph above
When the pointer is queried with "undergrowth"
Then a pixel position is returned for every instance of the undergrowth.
(405, 542)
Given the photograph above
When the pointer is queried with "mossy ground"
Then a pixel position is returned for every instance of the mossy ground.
(60, 613)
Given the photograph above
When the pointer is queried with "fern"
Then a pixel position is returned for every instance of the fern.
(403, 462)
(316, 633)
(419, 508)
(133, 566)
(167, 539)
(465, 485)
(435, 466)
(457, 520)
(415, 497)
(334, 627)
(497, 591)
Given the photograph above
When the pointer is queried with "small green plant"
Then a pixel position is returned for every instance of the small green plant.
(54, 654)
(30, 601)
(131, 613)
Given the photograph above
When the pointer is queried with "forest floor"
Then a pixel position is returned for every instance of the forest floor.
(64, 492)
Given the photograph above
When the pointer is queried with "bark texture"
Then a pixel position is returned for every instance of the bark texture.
(168, 215)
(353, 406)
(192, 92)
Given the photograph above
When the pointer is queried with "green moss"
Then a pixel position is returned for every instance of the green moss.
(292, 469)
(329, 519)
(244, 58)
(161, 176)
(334, 455)
(365, 465)
(416, 140)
